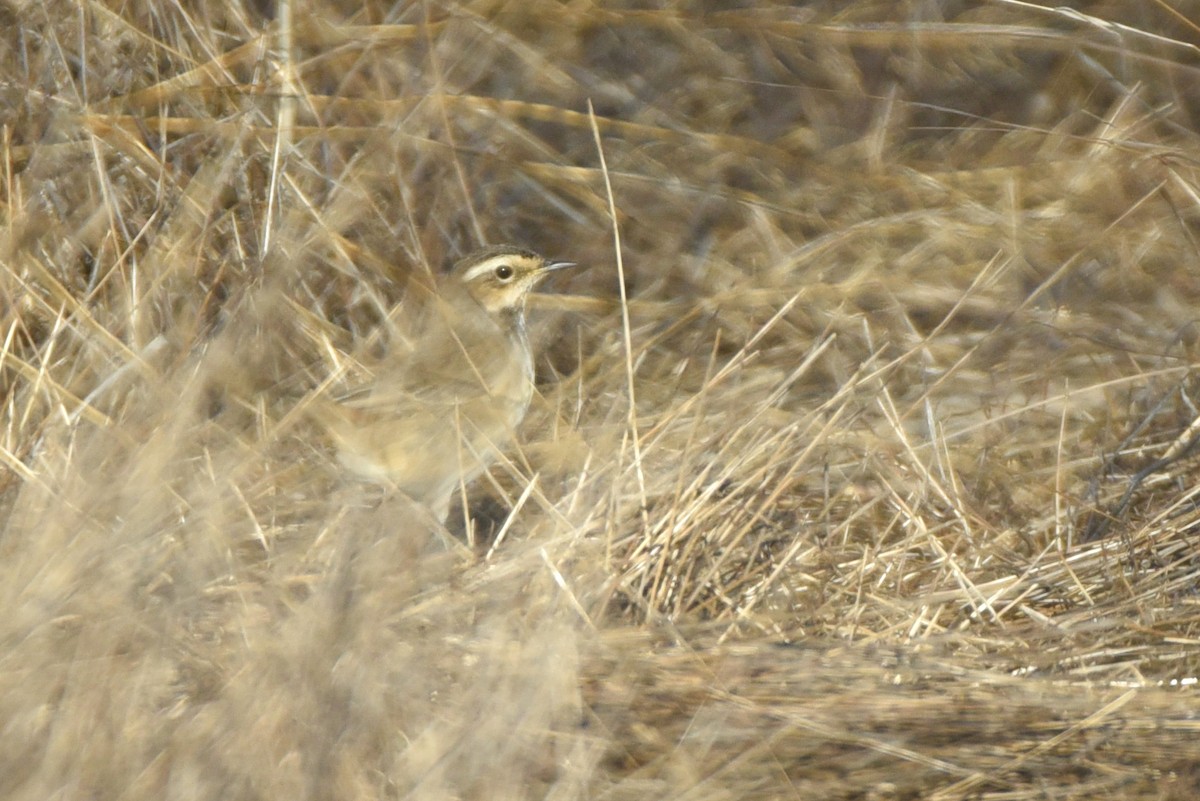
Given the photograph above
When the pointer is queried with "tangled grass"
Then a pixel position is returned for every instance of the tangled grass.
(874, 479)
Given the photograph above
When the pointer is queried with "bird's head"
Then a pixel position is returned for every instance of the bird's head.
(499, 278)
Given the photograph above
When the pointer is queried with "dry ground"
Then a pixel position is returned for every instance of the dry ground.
(880, 485)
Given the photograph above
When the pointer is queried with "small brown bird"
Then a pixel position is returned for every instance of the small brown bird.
(438, 414)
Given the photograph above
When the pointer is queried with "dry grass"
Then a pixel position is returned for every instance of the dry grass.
(905, 506)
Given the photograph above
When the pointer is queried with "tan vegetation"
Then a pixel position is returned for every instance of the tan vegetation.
(877, 482)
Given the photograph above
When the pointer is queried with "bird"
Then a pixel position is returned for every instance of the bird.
(436, 415)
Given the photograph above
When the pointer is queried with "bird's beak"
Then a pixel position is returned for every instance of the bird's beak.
(558, 265)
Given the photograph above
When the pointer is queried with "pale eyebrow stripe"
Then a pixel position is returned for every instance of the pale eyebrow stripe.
(487, 265)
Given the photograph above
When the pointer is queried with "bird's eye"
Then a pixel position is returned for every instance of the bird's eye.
(504, 272)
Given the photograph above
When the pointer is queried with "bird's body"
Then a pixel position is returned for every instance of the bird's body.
(437, 415)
